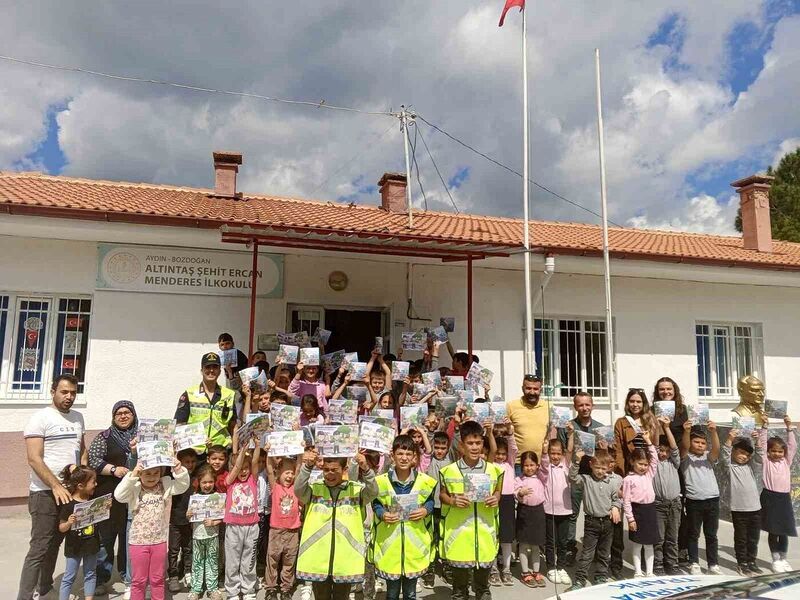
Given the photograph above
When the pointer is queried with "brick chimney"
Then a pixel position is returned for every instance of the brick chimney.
(393, 192)
(754, 201)
(226, 166)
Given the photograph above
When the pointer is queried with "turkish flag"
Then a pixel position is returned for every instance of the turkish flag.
(69, 364)
(509, 5)
(74, 322)
(32, 336)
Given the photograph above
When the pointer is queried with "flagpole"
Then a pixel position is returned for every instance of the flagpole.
(610, 359)
(530, 356)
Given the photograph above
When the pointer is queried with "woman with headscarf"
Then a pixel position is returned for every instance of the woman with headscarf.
(109, 454)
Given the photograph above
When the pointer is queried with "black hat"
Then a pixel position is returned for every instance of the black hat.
(210, 358)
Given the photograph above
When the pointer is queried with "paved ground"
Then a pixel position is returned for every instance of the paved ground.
(14, 543)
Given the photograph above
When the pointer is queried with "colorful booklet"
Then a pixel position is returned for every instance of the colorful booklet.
(404, 504)
(359, 393)
(259, 384)
(343, 412)
(606, 432)
(420, 390)
(151, 430)
(375, 436)
(698, 413)
(453, 383)
(413, 416)
(299, 339)
(480, 376)
(477, 487)
(358, 371)
(321, 336)
(189, 436)
(433, 379)
(316, 476)
(664, 408)
(286, 443)
(479, 411)
(776, 409)
(383, 421)
(414, 340)
(257, 425)
(498, 410)
(92, 511)
(385, 413)
(309, 357)
(585, 441)
(157, 453)
(228, 358)
(446, 406)
(287, 354)
(336, 441)
(379, 344)
(449, 323)
(248, 374)
(348, 359)
(745, 425)
(438, 334)
(465, 396)
(206, 506)
(285, 417)
(559, 415)
(332, 361)
(400, 370)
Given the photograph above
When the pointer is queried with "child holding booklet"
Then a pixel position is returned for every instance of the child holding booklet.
(639, 500)
(310, 411)
(667, 487)
(401, 559)
(503, 452)
(284, 530)
(777, 515)
(470, 550)
(180, 531)
(441, 457)
(149, 496)
(241, 524)
(80, 545)
(205, 543)
(306, 381)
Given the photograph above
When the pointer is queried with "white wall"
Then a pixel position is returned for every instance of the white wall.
(146, 347)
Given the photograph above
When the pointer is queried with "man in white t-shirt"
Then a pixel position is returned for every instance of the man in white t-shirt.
(53, 440)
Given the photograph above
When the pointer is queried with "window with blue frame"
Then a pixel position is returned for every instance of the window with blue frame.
(41, 337)
(726, 352)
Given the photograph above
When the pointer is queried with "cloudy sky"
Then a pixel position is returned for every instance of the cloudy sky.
(696, 95)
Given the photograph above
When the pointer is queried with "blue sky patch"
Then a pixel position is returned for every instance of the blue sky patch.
(457, 180)
(48, 153)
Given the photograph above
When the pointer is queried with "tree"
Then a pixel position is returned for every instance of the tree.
(784, 199)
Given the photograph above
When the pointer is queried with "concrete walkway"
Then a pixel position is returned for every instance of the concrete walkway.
(14, 536)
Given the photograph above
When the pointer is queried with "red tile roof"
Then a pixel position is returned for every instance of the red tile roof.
(44, 195)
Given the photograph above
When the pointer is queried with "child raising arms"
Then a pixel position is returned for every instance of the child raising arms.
(205, 543)
(80, 545)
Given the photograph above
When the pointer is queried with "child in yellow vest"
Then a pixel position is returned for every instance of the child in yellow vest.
(470, 494)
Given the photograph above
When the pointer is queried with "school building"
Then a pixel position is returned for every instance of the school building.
(127, 284)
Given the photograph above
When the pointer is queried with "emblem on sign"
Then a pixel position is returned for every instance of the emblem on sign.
(123, 267)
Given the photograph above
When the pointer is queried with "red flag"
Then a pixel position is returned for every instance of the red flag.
(509, 5)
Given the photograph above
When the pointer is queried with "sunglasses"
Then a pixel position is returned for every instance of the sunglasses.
(530, 377)
(640, 390)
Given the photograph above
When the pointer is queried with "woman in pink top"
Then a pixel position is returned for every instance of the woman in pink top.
(503, 453)
(557, 508)
(639, 502)
(307, 381)
(777, 515)
(529, 489)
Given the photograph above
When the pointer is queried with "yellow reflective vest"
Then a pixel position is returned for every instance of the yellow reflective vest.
(332, 541)
(215, 418)
(402, 549)
(468, 536)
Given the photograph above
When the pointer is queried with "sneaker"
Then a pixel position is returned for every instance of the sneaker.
(380, 585)
(694, 569)
(601, 580)
(754, 568)
(285, 596)
(714, 570)
(777, 567)
(100, 590)
(506, 578)
(786, 566)
(193, 596)
(174, 585)
(578, 585)
(419, 587)
(617, 575)
(638, 575)
(659, 572)
(540, 580)
(187, 580)
(305, 591)
(428, 580)
(494, 579)
(744, 571)
(216, 595)
(552, 575)
(126, 595)
(564, 578)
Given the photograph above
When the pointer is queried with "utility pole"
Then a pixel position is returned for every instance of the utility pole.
(407, 117)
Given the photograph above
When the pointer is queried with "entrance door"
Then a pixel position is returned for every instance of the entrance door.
(353, 329)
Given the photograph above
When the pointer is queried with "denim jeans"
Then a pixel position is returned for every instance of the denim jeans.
(73, 563)
(40, 562)
(705, 514)
(406, 584)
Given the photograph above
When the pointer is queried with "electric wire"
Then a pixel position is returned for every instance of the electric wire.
(195, 88)
(446, 188)
(416, 166)
(511, 170)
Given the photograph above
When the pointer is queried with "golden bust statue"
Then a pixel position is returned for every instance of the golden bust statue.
(751, 394)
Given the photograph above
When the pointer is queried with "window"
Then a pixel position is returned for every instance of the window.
(571, 357)
(41, 337)
(726, 352)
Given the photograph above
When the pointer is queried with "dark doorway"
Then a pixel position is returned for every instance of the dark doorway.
(353, 330)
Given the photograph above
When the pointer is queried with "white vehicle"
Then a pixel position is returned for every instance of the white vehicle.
(646, 587)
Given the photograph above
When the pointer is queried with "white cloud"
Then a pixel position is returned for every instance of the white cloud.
(703, 214)
(784, 148)
(446, 58)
